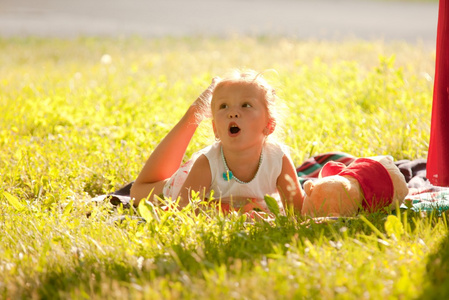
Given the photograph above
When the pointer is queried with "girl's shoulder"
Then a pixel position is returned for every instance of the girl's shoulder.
(275, 151)
(205, 151)
(277, 148)
(211, 151)
(214, 147)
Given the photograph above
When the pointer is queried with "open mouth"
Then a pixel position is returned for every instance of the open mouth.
(234, 129)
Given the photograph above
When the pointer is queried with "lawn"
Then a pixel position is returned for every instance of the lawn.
(79, 117)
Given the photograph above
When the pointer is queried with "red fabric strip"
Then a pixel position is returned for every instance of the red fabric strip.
(438, 154)
(374, 180)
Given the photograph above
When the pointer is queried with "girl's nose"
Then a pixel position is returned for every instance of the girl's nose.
(233, 115)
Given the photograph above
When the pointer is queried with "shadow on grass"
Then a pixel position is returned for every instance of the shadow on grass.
(88, 278)
(244, 245)
(248, 245)
(438, 273)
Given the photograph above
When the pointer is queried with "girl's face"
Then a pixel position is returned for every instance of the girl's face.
(240, 115)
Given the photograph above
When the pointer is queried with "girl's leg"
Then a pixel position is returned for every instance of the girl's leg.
(167, 157)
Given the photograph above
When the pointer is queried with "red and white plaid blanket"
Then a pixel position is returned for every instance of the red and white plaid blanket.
(422, 195)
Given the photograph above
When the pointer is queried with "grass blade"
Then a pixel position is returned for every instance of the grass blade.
(16, 203)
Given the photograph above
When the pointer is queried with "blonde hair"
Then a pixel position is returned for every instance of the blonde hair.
(273, 103)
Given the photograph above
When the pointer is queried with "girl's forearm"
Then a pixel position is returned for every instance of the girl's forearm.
(168, 155)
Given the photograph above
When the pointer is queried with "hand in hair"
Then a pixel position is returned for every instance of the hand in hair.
(202, 103)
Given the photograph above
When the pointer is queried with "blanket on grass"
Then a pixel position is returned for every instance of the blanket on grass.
(422, 196)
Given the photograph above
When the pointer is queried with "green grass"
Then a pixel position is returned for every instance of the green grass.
(74, 125)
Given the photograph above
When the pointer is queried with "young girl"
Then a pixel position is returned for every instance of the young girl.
(241, 167)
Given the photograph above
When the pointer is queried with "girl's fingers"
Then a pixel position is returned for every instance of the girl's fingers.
(202, 103)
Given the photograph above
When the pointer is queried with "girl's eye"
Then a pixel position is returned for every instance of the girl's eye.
(246, 105)
(223, 106)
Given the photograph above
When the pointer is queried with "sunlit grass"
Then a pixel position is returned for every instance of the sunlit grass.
(79, 118)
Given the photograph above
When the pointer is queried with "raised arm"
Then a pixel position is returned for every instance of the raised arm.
(167, 157)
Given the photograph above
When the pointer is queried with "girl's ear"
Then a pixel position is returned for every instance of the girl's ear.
(270, 127)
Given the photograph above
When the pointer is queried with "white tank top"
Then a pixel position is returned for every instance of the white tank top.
(264, 183)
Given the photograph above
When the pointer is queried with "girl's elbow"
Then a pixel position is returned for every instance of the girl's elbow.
(134, 194)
